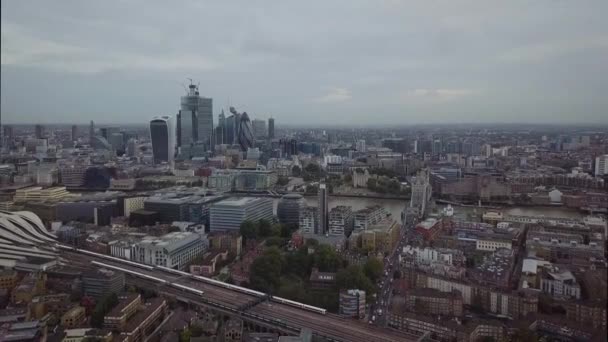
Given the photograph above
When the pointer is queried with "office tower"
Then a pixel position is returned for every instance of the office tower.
(39, 131)
(245, 136)
(601, 165)
(230, 213)
(289, 208)
(220, 130)
(289, 147)
(421, 192)
(323, 209)
(196, 118)
(271, 128)
(74, 132)
(162, 135)
(117, 141)
(8, 136)
(131, 147)
(174, 250)
(91, 131)
(106, 132)
(230, 128)
(101, 282)
(259, 128)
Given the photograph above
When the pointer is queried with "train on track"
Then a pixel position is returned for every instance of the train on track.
(214, 282)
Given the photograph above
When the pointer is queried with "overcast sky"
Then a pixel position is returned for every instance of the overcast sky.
(308, 62)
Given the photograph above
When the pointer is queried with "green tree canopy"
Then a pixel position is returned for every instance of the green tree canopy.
(264, 228)
(266, 270)
(326, 259)
(353, 277)
(373, 269)
(249, 230)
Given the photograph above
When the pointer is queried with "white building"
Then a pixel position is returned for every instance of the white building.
(369, 216)
(601, 165)
(560, 284)
(491, 245)
(174, 250)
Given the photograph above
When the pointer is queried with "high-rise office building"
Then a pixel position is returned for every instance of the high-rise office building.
(162, 135)
(39, 131)
(245, 136)
(220, 130)
(117, 141)
(195, 118)
(91, 131)
(230, 213)
(131, 147)
(74, 132)
(271, 128)
(289, 208)
(259, 128)
(323, 209)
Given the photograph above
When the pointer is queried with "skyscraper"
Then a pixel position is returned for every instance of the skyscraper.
(162, 134)
(74, 132)
(39, 131)
(245, 133)
(323, 209)
(271, 128)
(195, 118)
(259, 128)
(220, 130)
(91, 131)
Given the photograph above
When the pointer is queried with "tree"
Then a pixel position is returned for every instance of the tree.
(275, 241)
(282, 181)
(249, 230)
(326, 259)
(102, 308)
(264, 228)
(353, 277)
(266, 270)
(185, 335)
(296, 171)
(371, 184)
(196, 330)
(373, 269)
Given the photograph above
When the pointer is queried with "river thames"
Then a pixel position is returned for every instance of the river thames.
(395, 207)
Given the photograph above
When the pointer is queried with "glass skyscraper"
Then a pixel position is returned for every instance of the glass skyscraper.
(162, 135)
(195, 119)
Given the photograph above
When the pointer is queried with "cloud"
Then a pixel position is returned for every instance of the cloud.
(335, 95)
(437, 94)
(536, 53)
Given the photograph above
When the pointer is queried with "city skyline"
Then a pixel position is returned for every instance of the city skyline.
(413, 64)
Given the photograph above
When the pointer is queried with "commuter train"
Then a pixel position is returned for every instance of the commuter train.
(245, 290)
(203, 279)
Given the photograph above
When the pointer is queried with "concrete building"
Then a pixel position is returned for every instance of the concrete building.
(174, 250)
(259, 128)
(560, 284)
(73, 317)
(434, 302)
(289, 208)
(366, 217)
(100, 282)
(230, 213)
(352, 303)
(309, 220)
(271, 128)
(340, 221)
(601, 165)
(127, 306)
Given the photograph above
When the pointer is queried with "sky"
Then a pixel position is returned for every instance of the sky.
(352, 62)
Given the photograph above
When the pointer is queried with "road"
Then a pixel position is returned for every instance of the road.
(329, 325)
(379, 309)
